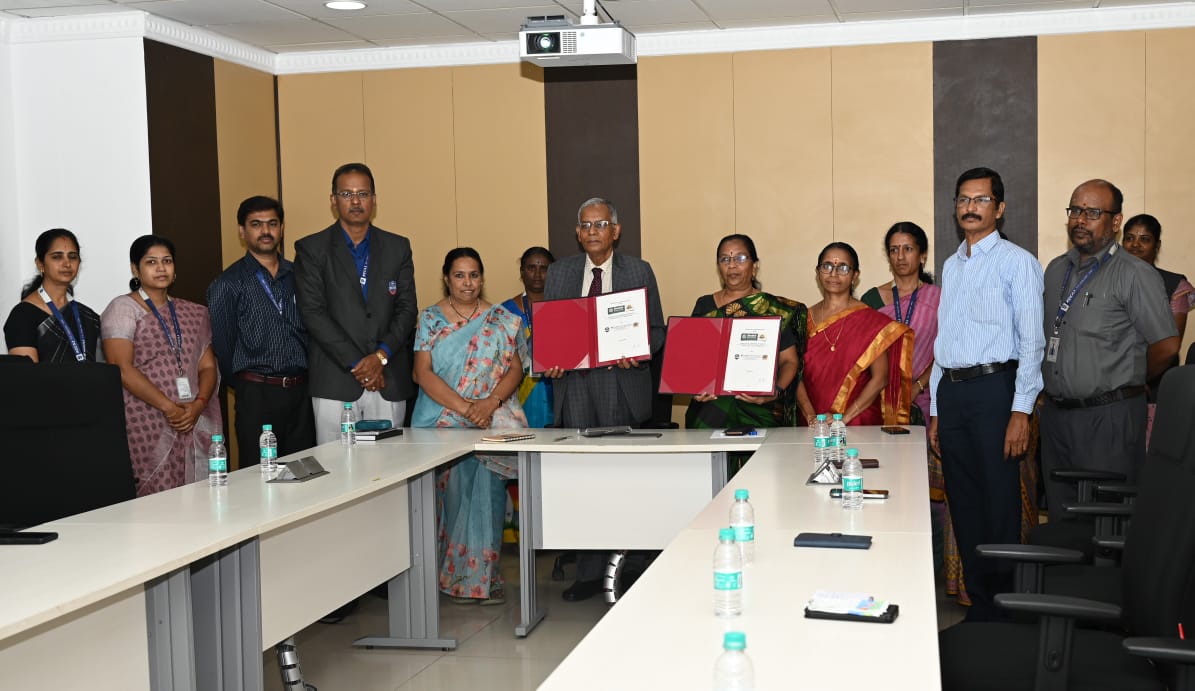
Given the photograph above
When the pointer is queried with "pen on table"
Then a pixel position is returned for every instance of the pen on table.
(561, 438)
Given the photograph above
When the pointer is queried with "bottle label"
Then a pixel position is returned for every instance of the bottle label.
(217, 465)
(836, 440)
(821, 442)
(728, 580)
(744, 533)
(346, 427)
(852, 484)
(267, 453)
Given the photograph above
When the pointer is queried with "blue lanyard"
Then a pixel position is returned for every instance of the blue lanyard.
(176, 344)
(912, 304)
(278, 302)
(1065, 305)
(365, 278)
(80, 345)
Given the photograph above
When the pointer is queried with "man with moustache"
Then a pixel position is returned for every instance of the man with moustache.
(985, 380)
(356, 290)
(258, 336)
(1109, 329)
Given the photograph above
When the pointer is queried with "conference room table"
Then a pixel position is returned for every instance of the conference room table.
(184, 589)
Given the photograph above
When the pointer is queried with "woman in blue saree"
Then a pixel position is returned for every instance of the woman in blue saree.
(535, 392)
(468, 369)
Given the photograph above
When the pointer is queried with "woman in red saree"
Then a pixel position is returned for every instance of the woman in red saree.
(858, 362)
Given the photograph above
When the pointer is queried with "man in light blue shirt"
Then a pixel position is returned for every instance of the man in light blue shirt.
(985, 379)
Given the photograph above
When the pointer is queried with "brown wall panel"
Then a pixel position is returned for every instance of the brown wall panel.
(1080, 138)
(246, 144)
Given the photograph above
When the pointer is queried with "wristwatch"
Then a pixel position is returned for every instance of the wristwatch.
(382, 356)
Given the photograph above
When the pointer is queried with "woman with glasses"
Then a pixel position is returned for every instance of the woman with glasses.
(741, 296)
(854, 354)
(48, 324)
(535, 392)
(163, 348)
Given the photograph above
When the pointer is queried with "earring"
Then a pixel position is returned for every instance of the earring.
(135, 284)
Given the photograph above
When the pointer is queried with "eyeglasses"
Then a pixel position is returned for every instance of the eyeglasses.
(587, 225)
(733, 259)
(828, 268)
(979, 201)
(1089, 214)
(349, 195)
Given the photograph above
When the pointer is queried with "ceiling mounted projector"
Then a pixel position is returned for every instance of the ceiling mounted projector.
(554, 42)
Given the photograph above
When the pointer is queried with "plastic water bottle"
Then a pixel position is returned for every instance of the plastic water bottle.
(268, 443)
(348, 426)
(733, 670)
(821, 441)
(838, 438)
(852, 481)
(217, 462)
(742, 520)
(728, 575)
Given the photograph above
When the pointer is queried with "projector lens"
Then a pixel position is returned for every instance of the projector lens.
(545, 43)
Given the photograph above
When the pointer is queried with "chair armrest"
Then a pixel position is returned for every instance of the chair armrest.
(1168, 649)
(1100, 508)
(1075, 475)
(1060, 606)
(1118, 488)
(1113, 542)
(1039, 554)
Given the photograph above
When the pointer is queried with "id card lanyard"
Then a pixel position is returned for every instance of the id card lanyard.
(176, 344)
(1064, 305)
(912, 303)
(278, 302)
(79, 345)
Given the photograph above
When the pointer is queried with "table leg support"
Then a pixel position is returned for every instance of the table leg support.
(414, 595)
(226, 596)
(529, 529)
(171, 642)
(718, 470)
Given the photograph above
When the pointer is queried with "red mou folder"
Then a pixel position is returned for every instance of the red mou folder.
(567, 331)
(699, 349)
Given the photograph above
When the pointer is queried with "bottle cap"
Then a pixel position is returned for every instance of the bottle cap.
(821, 417)
(852, 453)
(267, 428)
(217, 437)
(726, 534)
(837, 416)
(741, 494)
(348, 405)
(734, 640)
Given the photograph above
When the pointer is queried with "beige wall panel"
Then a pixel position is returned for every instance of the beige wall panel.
(409, 146)
(686, 171)
(246, 146)
(883, 151)
(321, 125)
(782, 151)
(1082, 135)
(1169, 142)
(501, 177)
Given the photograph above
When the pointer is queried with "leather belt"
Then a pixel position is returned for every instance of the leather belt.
(965, 373)
(1113, 396)
(285, 382)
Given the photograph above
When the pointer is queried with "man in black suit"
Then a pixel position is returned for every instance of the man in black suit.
(356, 292)
(616, 395)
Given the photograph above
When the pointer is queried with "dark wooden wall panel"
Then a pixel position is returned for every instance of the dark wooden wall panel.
(591, 121)
(184, 173)
(985, 114)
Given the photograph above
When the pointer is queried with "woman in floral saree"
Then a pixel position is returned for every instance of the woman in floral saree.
(468, 369)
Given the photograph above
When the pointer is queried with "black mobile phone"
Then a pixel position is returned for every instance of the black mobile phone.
(836, 493)
(27, 538)
(893, 429)
(740, 431)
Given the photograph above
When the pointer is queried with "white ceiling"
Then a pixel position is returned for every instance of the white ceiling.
(285, 26)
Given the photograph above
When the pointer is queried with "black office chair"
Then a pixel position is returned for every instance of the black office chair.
(1158, 592)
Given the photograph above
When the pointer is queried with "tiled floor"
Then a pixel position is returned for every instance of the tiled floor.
(488, 655)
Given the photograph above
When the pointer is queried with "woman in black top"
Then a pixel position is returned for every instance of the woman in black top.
(49, 325)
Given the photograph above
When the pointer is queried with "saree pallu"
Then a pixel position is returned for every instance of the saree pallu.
(472, 357)
(535, 393)
(838, 355)
(728, 411)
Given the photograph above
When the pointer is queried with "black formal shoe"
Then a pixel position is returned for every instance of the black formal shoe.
(582, 590)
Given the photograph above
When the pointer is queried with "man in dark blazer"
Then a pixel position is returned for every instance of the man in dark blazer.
(356, 291)
(616, 395)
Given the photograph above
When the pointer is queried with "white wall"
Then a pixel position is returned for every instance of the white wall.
(80, 157)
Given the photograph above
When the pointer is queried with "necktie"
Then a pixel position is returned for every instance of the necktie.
(595, 286)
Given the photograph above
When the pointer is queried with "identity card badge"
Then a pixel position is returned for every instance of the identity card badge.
(1052, 350)
(184, 388)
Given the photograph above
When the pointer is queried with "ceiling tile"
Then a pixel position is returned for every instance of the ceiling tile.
(498, 21)
(778, 21)
(986, 8)
(764, 9)
(66, 11)
(46, 4)
(679, 26)
(461, 5)
(884, 6)
(203, 12)
(402, 26)
(634, 13)
(895, 16)
(429, 41)
(332, 45)
(373, 8)
(278, 33)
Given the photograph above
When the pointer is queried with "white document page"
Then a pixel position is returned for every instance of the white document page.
(751, 355)
(622, 329)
